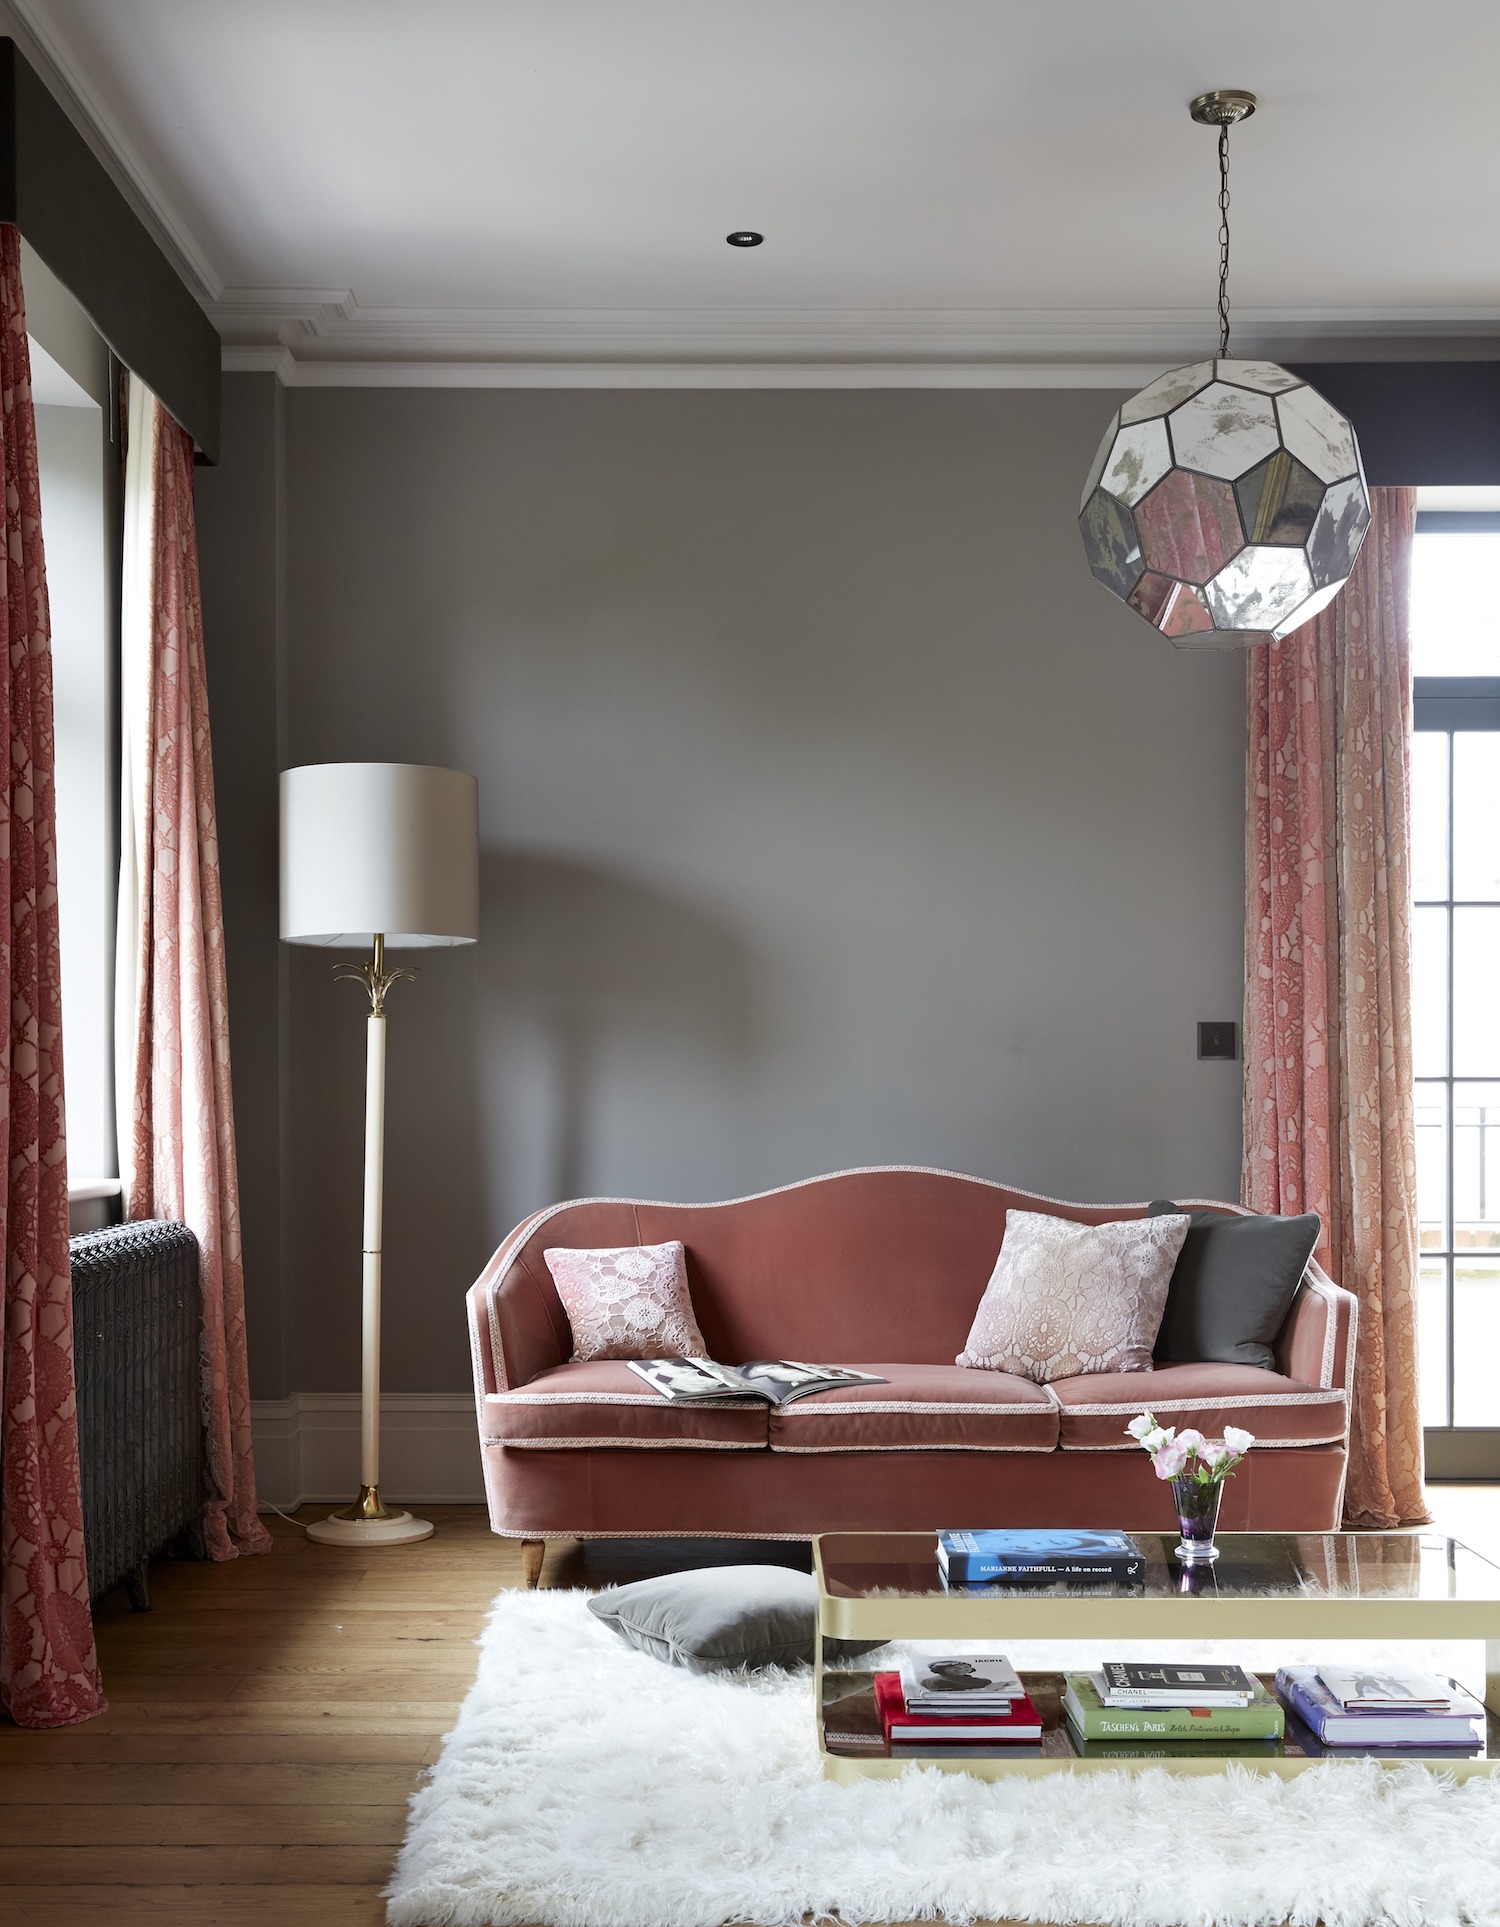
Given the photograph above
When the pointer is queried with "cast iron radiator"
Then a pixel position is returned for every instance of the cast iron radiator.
(135, 1353)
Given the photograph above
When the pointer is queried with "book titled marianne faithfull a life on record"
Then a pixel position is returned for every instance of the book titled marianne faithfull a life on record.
(1029, 1554)
(777, 1381)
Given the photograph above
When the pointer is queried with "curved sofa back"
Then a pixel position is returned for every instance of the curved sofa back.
(865, 1266)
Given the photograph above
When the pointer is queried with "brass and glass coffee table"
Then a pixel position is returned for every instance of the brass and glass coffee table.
(1305, 1587)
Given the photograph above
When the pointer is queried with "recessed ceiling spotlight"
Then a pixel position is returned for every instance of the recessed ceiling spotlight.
(744, 237)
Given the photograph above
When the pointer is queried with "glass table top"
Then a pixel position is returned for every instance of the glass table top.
(1252, 1565)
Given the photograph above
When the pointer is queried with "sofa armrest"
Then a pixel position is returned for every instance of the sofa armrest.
(1316, 1342)
(517, 1326)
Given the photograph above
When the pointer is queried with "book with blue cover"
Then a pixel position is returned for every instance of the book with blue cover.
(1027, 1554)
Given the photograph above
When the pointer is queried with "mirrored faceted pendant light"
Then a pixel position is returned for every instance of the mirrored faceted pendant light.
(1227, 502)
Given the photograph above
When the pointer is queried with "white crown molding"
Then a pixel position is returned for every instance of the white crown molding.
(46, 49)
(307, 1448)
(324, 337)
(686, 374)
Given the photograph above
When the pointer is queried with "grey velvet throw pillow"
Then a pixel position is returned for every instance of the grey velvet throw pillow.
(722, 1618)
(1232, 1286)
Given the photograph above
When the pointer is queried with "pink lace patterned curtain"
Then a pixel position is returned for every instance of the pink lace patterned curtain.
(177, 1124)
(1329, 1123)
(49, 1675)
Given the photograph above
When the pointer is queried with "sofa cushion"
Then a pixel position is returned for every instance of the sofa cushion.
(943, 1408)
(1067, 1298)
(627, 1301)
(1095, 1410)
(1233, 1285)
(604, 1403)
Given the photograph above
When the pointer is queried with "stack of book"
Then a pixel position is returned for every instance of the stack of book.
(960, 1703)
(1345, 1706)
(967, 1560)
(1127, 1709)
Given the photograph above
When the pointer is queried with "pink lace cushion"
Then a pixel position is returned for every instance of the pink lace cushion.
(631, 1302)
(1065, 1298)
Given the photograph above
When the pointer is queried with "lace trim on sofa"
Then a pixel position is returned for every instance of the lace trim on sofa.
(625, 1442)
(615, 1398)
(1038, 1451)
(911, 1405)
(1229, 1402)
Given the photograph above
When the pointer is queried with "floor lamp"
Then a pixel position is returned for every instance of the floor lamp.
(384, 856)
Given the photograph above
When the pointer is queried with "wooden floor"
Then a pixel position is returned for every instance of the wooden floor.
(268, 1720)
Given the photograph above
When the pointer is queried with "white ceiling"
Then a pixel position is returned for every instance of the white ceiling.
(937, 179)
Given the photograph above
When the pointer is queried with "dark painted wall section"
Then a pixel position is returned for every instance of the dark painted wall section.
(1418, 422)
(56, 191)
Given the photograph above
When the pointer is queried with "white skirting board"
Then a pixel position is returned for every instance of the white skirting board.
(307, 1448)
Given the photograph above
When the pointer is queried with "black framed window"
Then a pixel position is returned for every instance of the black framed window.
(1456, 983)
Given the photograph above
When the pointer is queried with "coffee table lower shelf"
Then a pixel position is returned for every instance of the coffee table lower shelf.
(849, 1709)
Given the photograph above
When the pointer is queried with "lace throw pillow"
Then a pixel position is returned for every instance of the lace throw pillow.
(632, 1302)
(1069, 1298)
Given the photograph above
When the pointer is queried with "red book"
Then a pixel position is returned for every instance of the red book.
(1023, 1722)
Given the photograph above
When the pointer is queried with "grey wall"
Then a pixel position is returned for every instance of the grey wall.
(831, 814)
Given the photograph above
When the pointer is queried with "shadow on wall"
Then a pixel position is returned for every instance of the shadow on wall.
(606, 970)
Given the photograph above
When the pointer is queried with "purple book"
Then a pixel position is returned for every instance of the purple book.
(1311, 1701)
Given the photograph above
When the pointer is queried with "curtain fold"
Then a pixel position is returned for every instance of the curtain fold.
(49, 1675)
(1329, 1124)
(177, 1157)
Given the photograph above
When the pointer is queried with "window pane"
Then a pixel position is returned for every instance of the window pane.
(1429, 969)
(1476, 1333)
(1476, 814)
(1476, 992)
(1455, 611)
(1432, 1166)
(1476, 1167)
(1432, 1341)
(1429, 814)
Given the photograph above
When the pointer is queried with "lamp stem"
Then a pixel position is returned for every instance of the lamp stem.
(374, 1200)
(368, 1521)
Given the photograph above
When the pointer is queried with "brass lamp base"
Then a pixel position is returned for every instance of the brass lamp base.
(368, 1523)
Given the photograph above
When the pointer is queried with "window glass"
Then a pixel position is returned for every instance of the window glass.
(1476, 815)
(1476, 1004)
(1455, 604)
(1429, 813)
(1429, 969)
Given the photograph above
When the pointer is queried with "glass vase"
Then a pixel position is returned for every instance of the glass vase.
(1197, 1516)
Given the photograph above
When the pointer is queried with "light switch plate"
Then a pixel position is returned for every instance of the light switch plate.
(1218, 1040)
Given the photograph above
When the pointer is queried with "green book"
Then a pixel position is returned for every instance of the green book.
(1215, 1748)
(1093, 1720)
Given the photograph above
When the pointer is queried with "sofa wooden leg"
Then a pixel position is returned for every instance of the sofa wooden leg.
(533, 1552)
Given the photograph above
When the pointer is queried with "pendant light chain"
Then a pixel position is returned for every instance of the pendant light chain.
(1223, 238)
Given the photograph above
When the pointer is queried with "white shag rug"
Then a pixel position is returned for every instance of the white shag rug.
(587, 1785)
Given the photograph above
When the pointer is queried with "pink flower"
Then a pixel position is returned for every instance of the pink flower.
(1238, 1442)
(1194, 1441)
(1170, 1457)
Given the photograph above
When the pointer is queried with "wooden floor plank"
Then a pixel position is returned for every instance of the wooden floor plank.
(316, 1905)
(217, 1865)
(153, 1825)
(222, 1784)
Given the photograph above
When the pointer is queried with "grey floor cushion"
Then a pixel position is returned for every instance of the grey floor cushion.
(722, 1618)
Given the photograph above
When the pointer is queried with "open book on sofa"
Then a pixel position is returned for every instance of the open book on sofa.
(778, 1381)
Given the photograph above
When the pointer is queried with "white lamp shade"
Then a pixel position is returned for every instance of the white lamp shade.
(379, 848)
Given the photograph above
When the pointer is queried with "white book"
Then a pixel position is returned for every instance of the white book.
(959, 1681)
(1396, 1689)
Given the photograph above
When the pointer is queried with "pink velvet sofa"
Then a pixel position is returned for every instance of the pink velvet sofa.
(881, 1269)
